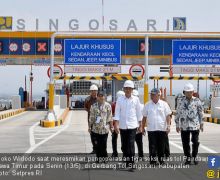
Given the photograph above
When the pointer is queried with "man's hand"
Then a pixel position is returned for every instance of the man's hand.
(201, 127)
(177, 129)
(112, 129)
(116, 127)
(168, 129)
(139, 129)
(89, 130)
(117, 130)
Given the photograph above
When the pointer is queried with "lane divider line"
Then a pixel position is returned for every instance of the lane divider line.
(34, 146)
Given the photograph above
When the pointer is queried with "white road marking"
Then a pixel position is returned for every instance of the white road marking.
(176, 145)
(48, 130)
(174, 134)
(57, 130)
(45, 134)
(173, 138)
(34, 146)
(178, 142)
(208, 149)
(31, 134)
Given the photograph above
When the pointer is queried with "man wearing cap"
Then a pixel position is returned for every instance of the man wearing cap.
(156, 114)
(100, 122)
(89, 101)
(128, 120)
(189, 120)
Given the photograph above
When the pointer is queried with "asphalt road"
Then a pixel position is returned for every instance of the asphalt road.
(75, 138)
(22, 134)
(14, 131)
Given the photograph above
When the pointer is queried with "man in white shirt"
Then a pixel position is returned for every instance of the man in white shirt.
(128, 119)
(156, 114)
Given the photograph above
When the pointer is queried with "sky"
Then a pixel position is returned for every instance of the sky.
(201, 16)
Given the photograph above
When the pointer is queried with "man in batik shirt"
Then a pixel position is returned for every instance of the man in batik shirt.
(189, 120)
(100, 122)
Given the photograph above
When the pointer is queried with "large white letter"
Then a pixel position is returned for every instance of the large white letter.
(21, 24)
(96, 24)
(132, 25)
(75, 25)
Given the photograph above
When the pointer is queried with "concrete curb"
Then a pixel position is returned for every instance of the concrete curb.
(51, 124)
(9, 114)
(212, 120)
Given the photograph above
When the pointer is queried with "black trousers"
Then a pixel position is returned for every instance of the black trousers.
(101, 145)
(114, 143)
(93, 140)
(185, 135)
(167, 146)
(139, 142)
(127, 139)
(157, 140)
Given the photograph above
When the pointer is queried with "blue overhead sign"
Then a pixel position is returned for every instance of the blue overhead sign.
(92, 51)
(199, 52)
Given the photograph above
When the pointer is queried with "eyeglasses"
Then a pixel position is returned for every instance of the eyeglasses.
(100, 95)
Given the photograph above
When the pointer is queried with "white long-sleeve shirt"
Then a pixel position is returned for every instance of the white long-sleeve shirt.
(156, 115)
(128, 112)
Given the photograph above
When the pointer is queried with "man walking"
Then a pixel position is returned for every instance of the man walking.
(189, 120)
(156, 114)
(128, 119)
(100, 122)
(89, 101)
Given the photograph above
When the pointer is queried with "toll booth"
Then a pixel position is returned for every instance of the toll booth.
(80, 85)
(79, 90)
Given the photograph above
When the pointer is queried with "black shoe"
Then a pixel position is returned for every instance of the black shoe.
(140, 158)
(167, 156)
(131, 167)
(187, 162)
(114, 154)
(153, 163)
(93, 152)
(127, 165)
(196, 162)
(132, 170)
(161, 163)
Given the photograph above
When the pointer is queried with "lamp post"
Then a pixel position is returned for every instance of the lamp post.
(31, 80)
